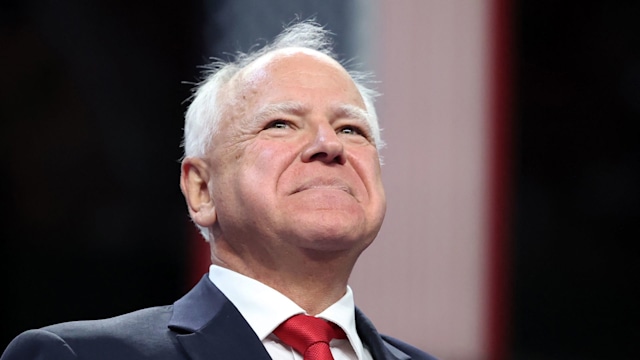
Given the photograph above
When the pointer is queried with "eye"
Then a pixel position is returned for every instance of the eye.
(351, 130)
(277, 124)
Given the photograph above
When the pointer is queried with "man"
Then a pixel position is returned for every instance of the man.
(281, 174)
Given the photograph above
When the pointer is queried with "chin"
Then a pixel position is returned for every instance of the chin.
(333, 248)
(332, 238)
(335, 229)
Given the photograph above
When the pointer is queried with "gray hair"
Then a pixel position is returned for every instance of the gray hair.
(205, 111)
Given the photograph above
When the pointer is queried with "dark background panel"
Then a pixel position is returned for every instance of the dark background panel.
(91, 106)
(92, 98)
(233, 25)
(576, 267)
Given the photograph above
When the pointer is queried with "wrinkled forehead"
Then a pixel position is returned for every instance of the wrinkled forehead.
(278, 63)
(264, 72)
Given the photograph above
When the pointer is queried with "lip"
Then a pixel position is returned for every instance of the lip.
(324, 184)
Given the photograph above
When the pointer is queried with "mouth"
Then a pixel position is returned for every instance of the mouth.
(324, 184)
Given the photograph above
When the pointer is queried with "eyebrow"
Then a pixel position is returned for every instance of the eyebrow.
(355, 113)
(296, 108)
(289, 107)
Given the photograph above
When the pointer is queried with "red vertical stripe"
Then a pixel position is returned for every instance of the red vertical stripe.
(500, 180)
(199, 257)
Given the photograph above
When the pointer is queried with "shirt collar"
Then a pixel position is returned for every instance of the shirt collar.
(264, 308)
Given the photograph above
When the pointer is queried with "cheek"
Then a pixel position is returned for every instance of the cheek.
(264, 163)
(367, 164)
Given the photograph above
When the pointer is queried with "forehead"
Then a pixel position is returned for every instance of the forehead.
(295, 73)
(290, 58)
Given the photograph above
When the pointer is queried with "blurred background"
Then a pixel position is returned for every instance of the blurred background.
(512, 168)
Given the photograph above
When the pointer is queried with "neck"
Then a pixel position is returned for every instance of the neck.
(313, 280)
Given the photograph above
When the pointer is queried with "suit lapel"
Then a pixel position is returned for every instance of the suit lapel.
(380, 349)
(210, 327)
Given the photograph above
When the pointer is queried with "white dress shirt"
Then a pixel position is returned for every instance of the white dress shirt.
(265, 308)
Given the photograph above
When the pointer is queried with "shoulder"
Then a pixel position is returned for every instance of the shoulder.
(38, 344)
(138, 335)
(412, 351)
(149, 319)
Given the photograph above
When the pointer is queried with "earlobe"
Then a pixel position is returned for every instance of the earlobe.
(194, 182)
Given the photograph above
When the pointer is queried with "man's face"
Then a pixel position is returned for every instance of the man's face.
(294, 163)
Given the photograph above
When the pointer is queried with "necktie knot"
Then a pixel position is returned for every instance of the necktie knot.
(310, 336)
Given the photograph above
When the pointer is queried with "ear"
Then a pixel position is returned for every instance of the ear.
(194, 182)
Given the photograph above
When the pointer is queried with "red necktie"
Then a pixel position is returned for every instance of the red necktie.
(310, 336)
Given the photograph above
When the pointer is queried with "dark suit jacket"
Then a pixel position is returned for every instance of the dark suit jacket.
(203, 325)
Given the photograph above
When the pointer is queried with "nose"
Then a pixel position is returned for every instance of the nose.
(325, 146)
